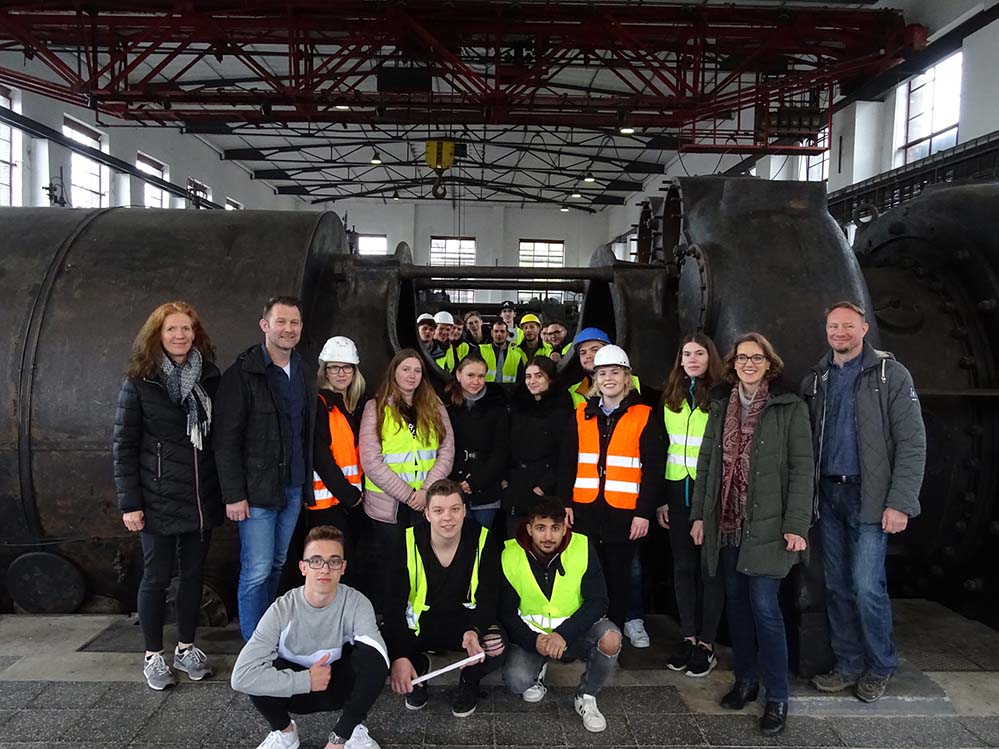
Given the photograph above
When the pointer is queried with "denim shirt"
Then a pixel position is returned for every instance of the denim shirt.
(291, 404)
(840, 454)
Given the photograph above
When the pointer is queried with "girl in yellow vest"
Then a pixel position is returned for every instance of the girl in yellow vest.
(336, 463)
(612, 462)
(406, 443)
(699, 599)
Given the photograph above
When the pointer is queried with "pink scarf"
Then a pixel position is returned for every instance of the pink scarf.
(737, 439)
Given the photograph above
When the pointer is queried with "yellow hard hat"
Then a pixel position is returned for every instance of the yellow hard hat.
(530, 317)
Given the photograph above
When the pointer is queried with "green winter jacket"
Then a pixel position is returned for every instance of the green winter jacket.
(781, 482)
(890, 431)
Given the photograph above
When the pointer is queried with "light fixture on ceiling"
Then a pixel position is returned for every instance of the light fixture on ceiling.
(395, 195)
(564, 209)
(589, 178)
(343, 107)
(626, 130)
(375, 158)
(577, 194)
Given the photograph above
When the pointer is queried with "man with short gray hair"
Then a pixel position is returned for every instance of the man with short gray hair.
(870, 451)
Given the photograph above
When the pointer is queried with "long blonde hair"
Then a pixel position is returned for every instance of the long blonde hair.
(425, 400)
(354, 390)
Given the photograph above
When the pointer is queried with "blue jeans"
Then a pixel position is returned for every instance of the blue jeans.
(755, 623)
(484, 518)
(263, 548)
(853, 554)
(636, 608)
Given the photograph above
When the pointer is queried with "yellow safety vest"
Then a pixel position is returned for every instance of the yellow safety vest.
(514, 356)
(409, 457)
(538, 612)
(449, 360)
(418, 580)
(579, 396)
(686, 432)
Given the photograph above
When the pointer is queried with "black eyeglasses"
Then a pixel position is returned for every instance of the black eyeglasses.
(317, 563)
(338, 369)
(755, 358)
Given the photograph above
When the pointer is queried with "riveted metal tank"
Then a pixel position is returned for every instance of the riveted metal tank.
(932, 267)
(75, 286)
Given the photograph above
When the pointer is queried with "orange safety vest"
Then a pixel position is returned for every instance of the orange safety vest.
(621, 474)
(344, 454)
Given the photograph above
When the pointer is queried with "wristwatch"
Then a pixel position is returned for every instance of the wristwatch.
(335, 738)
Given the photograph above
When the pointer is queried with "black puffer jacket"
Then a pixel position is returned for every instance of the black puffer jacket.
(156, 468)
(481, 444)
(248, 438)
(599, 520)
(537, 428)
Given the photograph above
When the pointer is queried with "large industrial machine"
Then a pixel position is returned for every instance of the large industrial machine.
(741, 254)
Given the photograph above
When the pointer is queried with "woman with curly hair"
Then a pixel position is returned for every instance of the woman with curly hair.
(406, 443)
(165, 477)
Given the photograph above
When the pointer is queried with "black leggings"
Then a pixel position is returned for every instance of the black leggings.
(616, 560)
(384, 554)
(700, 598)
(356, 680)
(158, 553)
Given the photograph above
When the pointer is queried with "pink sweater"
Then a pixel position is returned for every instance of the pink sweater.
(380, 506)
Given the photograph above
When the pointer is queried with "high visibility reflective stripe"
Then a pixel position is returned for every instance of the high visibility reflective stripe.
(391, 458)
(620, 461)
(541, 624)
(689, 462)
(416, 476)
(322, 493)
(351, 471)
(589, 458)
(426, 454)
(631, 487)
(584, 483)
(685, 439)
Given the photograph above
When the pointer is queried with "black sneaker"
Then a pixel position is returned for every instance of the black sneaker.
(417, 699)
(871, 688)
(465, 699)
(702, 661)
(680, 656)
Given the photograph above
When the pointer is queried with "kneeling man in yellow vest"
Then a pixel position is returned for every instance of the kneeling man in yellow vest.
(553, 602)
(444, 599)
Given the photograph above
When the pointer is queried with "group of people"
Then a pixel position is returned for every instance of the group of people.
(503, 521)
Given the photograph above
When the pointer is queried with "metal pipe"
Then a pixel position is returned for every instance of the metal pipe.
(579, 286)
(416, 272)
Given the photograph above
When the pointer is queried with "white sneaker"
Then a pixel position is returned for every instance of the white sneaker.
(593, 720)
(537, 691)
(361, 739)
(281, 739)
(634, 630)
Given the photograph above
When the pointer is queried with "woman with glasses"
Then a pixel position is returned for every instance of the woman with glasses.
(336, 463)
(751, 510)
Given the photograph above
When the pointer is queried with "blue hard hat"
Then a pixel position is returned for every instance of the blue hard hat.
(591, 334)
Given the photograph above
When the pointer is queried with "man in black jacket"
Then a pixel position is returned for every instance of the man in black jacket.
(264, 426)
(552, 603)
(444, 598)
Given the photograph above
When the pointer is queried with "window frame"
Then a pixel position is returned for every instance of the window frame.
(524, 297)
(368, 236)
(908, 144)
(97, 170)
(7, 152)
(457, 296)
(152, 196)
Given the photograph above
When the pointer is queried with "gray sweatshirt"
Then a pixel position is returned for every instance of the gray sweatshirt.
(294, 630)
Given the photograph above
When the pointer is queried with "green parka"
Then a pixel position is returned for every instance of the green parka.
(781, 482)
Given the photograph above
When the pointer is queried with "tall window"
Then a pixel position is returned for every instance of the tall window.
(197, 193)
(372, 244)
(454, 251)
(541, 253)
(233, 205)
(816, 168)
(6, 154)
(88, 178)
(153, 197)
(933, 106)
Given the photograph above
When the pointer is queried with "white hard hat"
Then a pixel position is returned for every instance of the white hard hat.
(611, 356)
(444, 318)
(425, 317)
(340, 349)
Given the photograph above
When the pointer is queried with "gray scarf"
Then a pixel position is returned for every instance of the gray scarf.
(182, 383)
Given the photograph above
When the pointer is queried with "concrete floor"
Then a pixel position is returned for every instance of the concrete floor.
(54, 695)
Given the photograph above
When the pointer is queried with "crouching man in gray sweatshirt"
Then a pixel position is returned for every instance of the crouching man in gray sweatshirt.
(316, 649)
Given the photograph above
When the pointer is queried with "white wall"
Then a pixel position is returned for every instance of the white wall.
(980, 84)
(185, 156)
